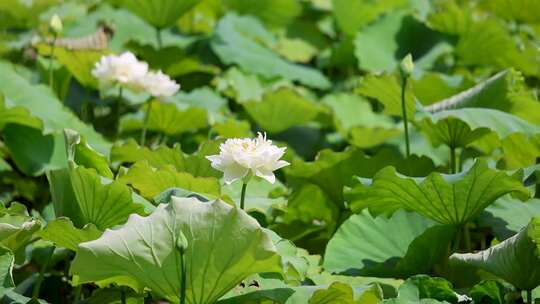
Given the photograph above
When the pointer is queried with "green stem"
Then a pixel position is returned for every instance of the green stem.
(122, 295)
(183, 278)
(37, 285)
(158, 39)
(404, 112)
(243, 195)
(145, 123)
(467, 238)
(529, 297)
(51, 76)
(117, 113)
(452, 160)
(77, 294)
(457, 241)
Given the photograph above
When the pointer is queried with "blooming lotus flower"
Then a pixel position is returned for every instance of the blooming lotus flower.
(158, 84)
(124, 69)
(241, 158)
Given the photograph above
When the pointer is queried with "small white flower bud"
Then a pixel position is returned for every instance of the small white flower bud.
(56, 24)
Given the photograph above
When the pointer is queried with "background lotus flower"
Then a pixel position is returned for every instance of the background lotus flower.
(158, 84)
(124, 69)
(242, 157)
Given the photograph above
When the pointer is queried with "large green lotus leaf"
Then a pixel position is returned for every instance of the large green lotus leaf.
(33, 152)
(62, 233)
(82, 154)
(131, 152)
(232, 128)
(233, 44)
(425, 290)
(159, 13)
(381, 45)
(85, 197)
(461, 127)
(17, 14)
(240, 86)
(507, 215)
(343, 293)
(167, 118)
(284, 294)
(275, 13)
(447, 199)
(386, 89)
(515, 260)
(355, 120)
(224, 245)
(282, 109)
(352, 110)
(42, 104)
(489, 291)
(366, 137)
(363, 246)
(520, 151)
(353, 15)
(17, 228)
(450, 18)
(150, 182)
(17, 115)
(489, 43)
(330, 171)
(518, 10)
(206, 98)
(163, 156)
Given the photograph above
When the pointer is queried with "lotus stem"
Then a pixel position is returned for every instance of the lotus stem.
(404, 112)
(117, 113)
(159, 39)
(37, 285)
(243, 195)
(77, 294)
(122, 295)
(183, 278)
(467, 238)
(146, 119)
(51, 76)
(452, 160)
(529, 297)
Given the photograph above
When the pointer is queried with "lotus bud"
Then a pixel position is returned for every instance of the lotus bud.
(407, 66)
(56, 24)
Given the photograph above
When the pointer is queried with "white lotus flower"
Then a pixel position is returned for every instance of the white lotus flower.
(124, 69)
(158, 84)
(240, 158)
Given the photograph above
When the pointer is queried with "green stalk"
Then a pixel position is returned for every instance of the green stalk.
(467, 238)
(452, 160)
(122, 295)
(243, 195)
(77, 294)
(117, 113)
(183, 278)
(51, 76)
(145, 123)
(37, 285)
(529, 297)
(159, 39)
(404, 112)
